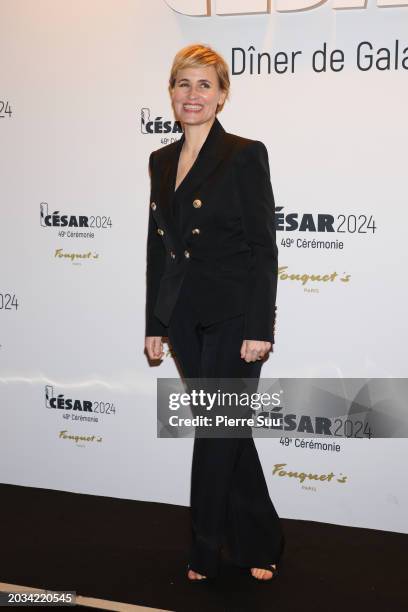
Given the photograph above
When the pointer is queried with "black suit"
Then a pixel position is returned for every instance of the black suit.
(223, 238)
(211, 283)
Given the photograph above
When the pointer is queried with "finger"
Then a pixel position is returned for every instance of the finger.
(152, 353)
(154, 348)
(158, 348)
(149, 349)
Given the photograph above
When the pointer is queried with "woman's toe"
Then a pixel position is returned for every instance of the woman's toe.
(192, 575)
(262, 574)
(257, 573)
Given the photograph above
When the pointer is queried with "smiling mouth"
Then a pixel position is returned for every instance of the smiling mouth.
(193, 108)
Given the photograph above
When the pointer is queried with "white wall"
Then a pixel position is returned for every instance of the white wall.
(77, 76)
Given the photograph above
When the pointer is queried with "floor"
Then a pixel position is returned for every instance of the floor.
(121, 554)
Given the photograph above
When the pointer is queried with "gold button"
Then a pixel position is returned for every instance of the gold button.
(172, 255)
(195, 231)
(186, 254)
(197, 203)
(160, 231)
(153, 206)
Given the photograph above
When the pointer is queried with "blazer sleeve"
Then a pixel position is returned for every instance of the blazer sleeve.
(259, 225)
(155, 261)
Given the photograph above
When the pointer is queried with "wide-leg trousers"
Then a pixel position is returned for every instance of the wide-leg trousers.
(230, 503)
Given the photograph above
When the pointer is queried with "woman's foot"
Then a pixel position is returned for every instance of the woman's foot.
(192, 575)
(263, 574)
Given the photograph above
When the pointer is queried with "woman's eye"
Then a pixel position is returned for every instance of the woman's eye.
(205, 85)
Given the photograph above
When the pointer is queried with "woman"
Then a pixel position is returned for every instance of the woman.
(211, 289)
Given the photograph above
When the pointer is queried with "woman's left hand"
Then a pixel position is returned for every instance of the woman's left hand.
(254, 350)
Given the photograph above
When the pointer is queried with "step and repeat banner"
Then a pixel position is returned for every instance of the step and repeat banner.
(83, 102)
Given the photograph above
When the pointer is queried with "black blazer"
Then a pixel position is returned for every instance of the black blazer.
(217, 232)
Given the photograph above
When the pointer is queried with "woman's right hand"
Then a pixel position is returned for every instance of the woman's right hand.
(154, 347)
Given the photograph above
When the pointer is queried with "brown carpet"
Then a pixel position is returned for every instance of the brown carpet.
(135, 552)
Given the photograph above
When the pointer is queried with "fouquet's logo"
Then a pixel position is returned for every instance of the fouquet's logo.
(307, 476)
(158, 125)
(65, 403)
(206, 8)
(304, 278)
(78, 438)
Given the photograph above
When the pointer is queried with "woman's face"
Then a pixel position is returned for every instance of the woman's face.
(196, 94)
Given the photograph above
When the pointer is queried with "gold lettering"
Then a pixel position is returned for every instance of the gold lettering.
(77, 438)
(302, 476)
(305, 278)
(72, 256)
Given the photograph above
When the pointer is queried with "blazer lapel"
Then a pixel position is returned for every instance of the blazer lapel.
(210, 154)
(207, 159)
(168, 179)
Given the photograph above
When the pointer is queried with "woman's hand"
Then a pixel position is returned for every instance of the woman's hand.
(154, 347)
(253, 350)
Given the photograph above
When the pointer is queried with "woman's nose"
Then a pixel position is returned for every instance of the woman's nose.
(193, 93)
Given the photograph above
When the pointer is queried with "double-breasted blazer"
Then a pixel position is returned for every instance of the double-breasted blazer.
(216, 232)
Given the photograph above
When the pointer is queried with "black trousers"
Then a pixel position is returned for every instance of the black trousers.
(230, 503)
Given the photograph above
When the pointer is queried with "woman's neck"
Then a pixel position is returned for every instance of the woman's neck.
(195, 136)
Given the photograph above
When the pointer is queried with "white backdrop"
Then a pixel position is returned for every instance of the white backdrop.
(77, 80)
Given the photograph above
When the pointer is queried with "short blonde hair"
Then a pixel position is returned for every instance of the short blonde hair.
(201, 56)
